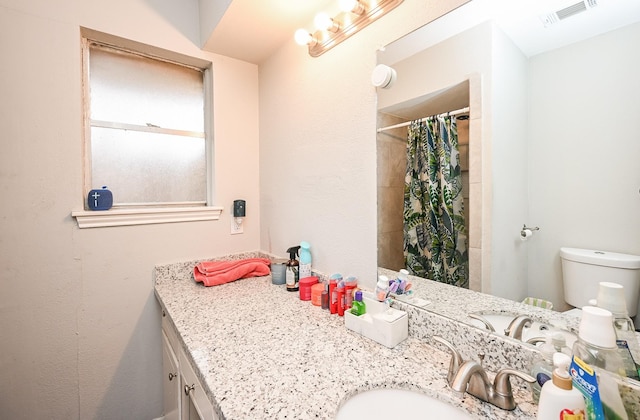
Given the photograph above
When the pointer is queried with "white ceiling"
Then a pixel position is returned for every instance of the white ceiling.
(520, 20)
(524, 25)
(252, 30)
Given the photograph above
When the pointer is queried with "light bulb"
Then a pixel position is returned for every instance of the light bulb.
(303, 37)
(353, 6)
(347, 5)
(323, 21)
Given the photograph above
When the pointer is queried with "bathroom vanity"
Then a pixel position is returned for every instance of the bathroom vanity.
(251, 350)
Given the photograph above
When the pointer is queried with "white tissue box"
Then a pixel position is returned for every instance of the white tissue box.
(388, 327)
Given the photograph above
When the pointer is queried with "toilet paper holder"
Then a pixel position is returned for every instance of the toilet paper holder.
(527, 231)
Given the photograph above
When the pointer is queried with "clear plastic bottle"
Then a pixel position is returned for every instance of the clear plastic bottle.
(542, 367)
(611, 297)
(559, 342)
(596, 343)
(627, 343)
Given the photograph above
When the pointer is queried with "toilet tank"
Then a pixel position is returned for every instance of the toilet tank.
(584, 269)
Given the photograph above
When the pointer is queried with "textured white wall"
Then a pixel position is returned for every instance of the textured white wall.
(318, 148)
(80, 324)
(584, 153)
(505, 163)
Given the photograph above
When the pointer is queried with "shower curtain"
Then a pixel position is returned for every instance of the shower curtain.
(435, 239)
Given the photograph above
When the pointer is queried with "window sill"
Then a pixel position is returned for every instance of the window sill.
(144, 216)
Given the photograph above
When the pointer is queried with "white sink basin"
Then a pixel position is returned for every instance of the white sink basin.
(500, 321)
(384, 404)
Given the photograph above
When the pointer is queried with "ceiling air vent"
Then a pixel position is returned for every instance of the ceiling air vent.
(568, 11)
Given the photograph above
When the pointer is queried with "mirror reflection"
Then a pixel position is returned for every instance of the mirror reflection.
(547, 141)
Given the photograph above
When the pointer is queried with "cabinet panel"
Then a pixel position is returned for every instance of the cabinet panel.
(194, 399)
(170, 381)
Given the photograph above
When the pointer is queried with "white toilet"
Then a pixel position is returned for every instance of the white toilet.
(584, 269)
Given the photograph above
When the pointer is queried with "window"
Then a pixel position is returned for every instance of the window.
(145, 135)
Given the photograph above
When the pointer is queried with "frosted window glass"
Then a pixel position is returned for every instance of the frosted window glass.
(128, 93)
(147, 167)
(128, 88)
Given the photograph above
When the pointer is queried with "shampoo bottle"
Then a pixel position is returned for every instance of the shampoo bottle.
(292, 274)
(305, 260)
(558, 399)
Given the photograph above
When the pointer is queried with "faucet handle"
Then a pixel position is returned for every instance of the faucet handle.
(502, 384)
(481, 357)
(456, 358)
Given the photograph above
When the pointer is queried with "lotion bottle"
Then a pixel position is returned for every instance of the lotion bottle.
(558, 399)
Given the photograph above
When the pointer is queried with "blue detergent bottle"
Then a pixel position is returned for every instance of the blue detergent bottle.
(305, 260)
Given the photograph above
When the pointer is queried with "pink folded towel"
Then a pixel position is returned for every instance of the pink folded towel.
(213, 273)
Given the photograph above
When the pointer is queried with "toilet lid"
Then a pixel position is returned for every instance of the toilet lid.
(605, 258)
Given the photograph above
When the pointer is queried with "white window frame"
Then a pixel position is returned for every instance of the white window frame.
(146, 214)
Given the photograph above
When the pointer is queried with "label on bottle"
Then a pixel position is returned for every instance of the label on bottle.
(305, 270)
(292, 278)
(631, 370)
(575, 414)
(584, 380)
(541, 378)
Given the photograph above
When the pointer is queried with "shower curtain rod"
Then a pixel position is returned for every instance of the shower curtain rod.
(404, 124)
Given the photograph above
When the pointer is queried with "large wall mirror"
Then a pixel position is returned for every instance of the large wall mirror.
(551, 138)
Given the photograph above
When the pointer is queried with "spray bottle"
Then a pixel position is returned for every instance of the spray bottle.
(292, 274)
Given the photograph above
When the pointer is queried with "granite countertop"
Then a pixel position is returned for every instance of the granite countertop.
(447, 300)
(261, 353)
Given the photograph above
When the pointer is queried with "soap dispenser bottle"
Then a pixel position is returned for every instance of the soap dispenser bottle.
(542, 368)
(558, 398)
(292, 274)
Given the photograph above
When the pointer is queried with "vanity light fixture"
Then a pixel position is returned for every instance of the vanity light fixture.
(355, 15)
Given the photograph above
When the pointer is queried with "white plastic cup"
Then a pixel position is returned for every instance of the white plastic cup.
(596, 327)
(611, 297)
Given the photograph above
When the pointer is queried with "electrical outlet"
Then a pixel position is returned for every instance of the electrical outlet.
(236, 228)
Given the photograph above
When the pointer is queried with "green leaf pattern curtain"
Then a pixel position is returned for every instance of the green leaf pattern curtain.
(435, 238)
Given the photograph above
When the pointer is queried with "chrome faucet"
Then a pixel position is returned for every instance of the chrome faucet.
(517, 324)
(471, 377)
(482, 319)
(456, 358)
